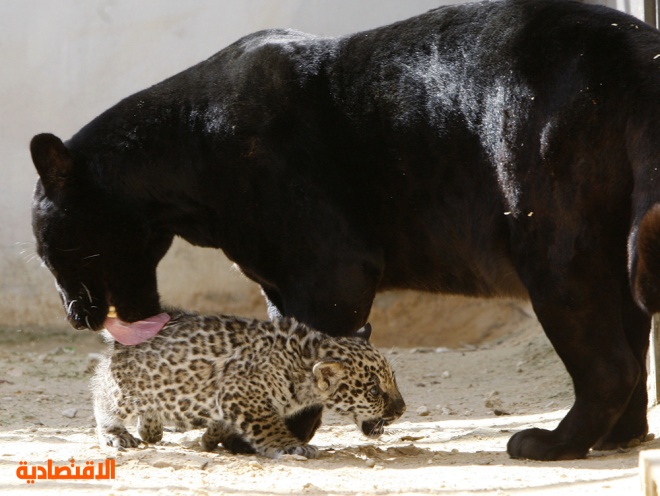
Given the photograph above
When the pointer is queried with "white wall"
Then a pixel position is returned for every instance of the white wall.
(65, 61)
(634, 7)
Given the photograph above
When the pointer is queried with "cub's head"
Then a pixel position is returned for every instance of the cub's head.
(356, 379)
(100, 247)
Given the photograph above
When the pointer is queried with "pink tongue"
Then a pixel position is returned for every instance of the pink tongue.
(136, 332)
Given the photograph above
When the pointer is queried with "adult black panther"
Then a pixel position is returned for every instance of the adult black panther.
(497, 148)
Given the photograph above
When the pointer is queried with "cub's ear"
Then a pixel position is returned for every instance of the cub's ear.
(52, 160)
(327, 374)
(364, 332)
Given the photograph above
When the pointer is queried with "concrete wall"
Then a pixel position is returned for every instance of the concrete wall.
(634, 7)
(65, 61)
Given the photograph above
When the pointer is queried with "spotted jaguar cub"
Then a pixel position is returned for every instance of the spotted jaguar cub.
(250, 383)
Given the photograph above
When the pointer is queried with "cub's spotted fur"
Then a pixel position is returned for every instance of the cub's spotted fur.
(250, 383)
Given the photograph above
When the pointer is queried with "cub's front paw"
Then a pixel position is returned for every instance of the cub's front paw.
(237, 445)
(122, 440)
(306, 450)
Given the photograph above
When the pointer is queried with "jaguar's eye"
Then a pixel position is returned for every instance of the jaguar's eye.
(374, 391)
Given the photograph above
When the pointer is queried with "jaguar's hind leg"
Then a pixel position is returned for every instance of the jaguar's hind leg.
(583, 320)
(632, 426)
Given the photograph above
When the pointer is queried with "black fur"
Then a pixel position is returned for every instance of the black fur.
(497, 148)
(305, 423)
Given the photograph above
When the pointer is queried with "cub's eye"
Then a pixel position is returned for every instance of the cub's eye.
(374, 391)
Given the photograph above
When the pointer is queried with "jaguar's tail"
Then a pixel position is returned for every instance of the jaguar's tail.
(643, 142)
(645, 260)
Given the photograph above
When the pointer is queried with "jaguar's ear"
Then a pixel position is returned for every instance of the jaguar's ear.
(327, 374)
(53, 162)
(364, 332)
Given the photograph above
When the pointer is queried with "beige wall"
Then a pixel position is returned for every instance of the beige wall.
(65, 61)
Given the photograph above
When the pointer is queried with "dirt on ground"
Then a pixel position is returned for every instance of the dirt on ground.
(472, 372)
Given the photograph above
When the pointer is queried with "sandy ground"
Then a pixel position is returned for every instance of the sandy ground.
(500, 376)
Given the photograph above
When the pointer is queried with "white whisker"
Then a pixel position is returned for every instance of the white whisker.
(392, 358)
(26, 251)
(68, 308)
(89, 295)
(30, 257)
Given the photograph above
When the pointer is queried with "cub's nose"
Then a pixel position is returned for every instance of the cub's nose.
(396, 407)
